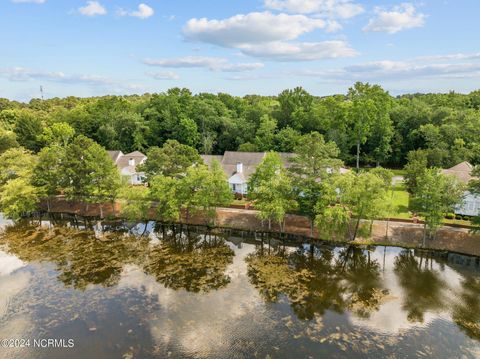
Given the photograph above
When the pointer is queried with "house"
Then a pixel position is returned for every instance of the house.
(239, 166)
(471, 202)
(127, 165)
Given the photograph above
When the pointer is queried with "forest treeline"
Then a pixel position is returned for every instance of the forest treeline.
(366, 124)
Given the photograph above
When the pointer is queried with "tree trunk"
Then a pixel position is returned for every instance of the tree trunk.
(311, 228)
(101, 211)
(356, 229)
(358, 156)
(424, 234)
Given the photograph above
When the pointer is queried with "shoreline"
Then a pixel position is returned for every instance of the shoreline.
(391, 233)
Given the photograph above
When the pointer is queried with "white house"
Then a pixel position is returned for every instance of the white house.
(471, 203)
(239, 166)
(127, 165)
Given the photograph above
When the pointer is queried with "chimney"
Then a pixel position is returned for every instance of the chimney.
(131, 162)
(239, 167)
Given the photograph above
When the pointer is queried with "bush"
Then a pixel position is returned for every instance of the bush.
(450, 215)
(467, 218)
(458, 217)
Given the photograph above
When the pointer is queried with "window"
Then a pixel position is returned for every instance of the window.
(234, 187)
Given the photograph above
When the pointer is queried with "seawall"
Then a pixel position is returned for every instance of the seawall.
(386, 233)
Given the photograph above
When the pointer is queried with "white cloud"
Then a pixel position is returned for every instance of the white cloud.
(24, 74)
(401, 17)
(301, 51)
(255, 27)
(343, 9)
(211, 63)
(29, 1)
(458, 56)
(92, 8)
(143, 12)
(266, 35)
(168, 75)
(398, 70)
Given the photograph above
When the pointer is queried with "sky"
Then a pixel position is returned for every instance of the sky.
(92, 48)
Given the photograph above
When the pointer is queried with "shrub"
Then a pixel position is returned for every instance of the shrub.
(458, 217)
(450, 215)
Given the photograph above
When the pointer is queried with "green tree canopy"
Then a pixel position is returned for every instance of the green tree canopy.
(435, 195)
(271, 190)
(173, 160)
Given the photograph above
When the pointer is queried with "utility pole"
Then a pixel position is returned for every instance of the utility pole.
(41, 91)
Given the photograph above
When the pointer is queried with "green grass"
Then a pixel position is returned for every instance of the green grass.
(398, 172)
(395, 171)
(400, 202)
(240, 202)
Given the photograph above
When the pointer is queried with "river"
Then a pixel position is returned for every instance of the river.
(167, 293)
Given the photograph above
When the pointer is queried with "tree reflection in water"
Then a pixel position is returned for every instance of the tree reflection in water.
(466, 313)
(422, 284)
(312, 279)
(194, 262)
(317, 279)
(80, 258)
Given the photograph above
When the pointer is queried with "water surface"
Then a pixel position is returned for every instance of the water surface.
(172, 294)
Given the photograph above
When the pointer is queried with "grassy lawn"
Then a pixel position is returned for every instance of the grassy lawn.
(239, 202)
(400, 202)
(398, 172)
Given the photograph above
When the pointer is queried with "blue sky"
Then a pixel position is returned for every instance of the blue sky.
(89, 48)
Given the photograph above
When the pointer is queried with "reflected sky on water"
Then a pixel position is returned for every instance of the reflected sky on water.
(196, 295)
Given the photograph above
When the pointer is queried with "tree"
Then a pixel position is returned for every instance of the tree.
(331, 216)
(271, 190)
(191, 189)
(295, 108)
(16, 163)
(314, 161)
(27, 128)
(370, 106)
(287, 139)
(415, 168)
(364, 195)
(135, 202)
(58, 134)
(215, 192)
(435, 195)
(164, 194)
(18, 197)
(91, 174)
(264, 139)
(49, 172)
(173, 160)
(474, 187)
(8, 139)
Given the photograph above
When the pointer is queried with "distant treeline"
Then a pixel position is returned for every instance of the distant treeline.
(383, 129)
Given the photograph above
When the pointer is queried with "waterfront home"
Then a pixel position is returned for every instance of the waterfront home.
(128, 164)
(470, 205)
(239, 166)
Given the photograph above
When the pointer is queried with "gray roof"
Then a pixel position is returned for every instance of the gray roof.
(462, 171)
(114, 155)
(122, 160)
(249, 160)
